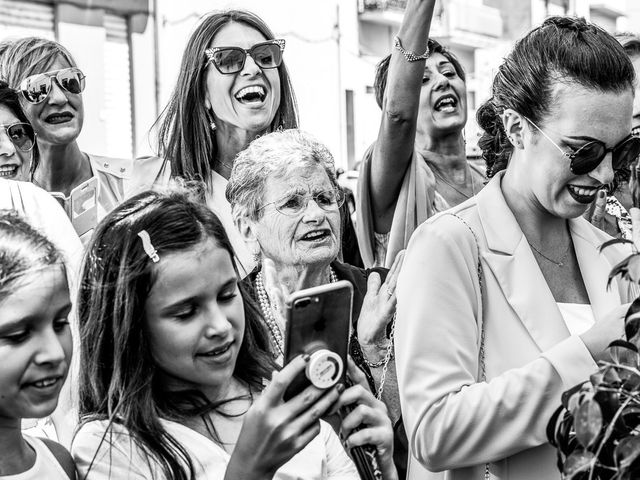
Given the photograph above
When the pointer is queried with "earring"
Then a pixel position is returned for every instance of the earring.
(212, 125)
(256, 257)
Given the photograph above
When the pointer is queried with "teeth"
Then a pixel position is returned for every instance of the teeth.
(582, 191)
(8, 170)
(45, 383)
(218, 351)
(447, 102)
(254, 89)
(313, 235)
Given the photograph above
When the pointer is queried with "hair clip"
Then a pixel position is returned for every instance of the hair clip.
(148, 246)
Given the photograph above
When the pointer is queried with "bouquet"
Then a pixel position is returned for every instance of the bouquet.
(596, 431)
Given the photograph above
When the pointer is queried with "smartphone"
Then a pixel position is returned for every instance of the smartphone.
(318, 324)
(83, 206)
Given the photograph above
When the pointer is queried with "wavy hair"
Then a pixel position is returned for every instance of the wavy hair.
(117, 372)
(561, 49)
(185, 138)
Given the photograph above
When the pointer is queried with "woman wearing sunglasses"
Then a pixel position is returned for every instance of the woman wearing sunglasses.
(17, 139)
(50, 87)
(503, 299)
(232, 87)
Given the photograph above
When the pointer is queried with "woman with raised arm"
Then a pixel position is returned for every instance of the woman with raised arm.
(503, 299)
(418, 164)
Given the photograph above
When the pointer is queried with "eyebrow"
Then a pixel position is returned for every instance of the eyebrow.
(24, 321)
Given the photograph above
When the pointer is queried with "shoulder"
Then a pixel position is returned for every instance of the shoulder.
(62, 456)
(453, 224)
(115, 167)
(357, 275)
(148, 171)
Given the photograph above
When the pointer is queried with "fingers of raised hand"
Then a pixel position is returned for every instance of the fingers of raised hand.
(356, 375)
(599, 210)
(315, 409)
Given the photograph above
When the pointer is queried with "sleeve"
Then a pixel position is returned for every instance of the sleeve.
(452, 419)
(339, 465)
(102, 455)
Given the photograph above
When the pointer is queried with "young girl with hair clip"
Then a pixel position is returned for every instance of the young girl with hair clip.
(35, 349)
(174, 360)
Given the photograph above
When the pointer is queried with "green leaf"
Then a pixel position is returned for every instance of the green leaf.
(614, 241)
(626, 452)
(579, 461)
(588, 422)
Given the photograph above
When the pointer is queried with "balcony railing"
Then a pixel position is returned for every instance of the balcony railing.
(383, 4)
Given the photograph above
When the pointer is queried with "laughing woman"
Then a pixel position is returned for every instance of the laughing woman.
(233, 86)
(503, 299)
(50, 86)
(418, 165)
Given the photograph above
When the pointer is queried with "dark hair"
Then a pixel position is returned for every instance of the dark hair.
(630, 42)
(117, 372)
(561, 49)
(185, 138)
(23, 251)
(9, 98)
(382, 69)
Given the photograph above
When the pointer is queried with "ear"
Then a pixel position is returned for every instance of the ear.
(247, 229)
(513, 126)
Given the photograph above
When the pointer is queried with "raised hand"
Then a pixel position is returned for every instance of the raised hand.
(379, 305)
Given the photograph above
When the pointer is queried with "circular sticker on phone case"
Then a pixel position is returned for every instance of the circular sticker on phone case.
(324, 368)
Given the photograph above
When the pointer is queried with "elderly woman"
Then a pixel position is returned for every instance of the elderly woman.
(286, 204)
(418, 164)
(50, 86)
(503, 299)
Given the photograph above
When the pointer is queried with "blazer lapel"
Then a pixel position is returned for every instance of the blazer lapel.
(511, 261)
(595, 268)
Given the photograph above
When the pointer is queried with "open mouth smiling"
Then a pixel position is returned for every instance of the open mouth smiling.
(446, 103)
(251, 94)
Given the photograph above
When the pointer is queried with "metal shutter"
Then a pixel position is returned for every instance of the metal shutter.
(20, 18)
(117, 94)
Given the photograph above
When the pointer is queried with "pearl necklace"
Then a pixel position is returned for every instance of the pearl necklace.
(267, 310)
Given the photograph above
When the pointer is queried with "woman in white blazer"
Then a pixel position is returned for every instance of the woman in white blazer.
(503, 301)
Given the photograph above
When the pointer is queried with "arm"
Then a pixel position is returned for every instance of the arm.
(452, 419)
(394, 147)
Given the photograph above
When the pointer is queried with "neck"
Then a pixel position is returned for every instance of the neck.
(446, 150)
(297, 277)
(230, 141)
(17, 456)
(61, 167)
(542, 229)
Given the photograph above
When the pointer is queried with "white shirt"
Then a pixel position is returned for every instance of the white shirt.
(577, 316)
(45, 466)
(118, 457)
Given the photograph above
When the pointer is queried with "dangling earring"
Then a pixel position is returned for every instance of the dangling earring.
(256, 257)
(212, 125)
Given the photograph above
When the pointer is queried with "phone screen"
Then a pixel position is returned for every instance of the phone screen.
(318, 318)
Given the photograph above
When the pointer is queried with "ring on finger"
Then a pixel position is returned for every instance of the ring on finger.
(390, 292)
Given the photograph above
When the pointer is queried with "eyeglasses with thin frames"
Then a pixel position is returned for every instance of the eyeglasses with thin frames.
(292, 205)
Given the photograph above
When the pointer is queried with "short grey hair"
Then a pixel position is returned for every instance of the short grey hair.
(272, 154)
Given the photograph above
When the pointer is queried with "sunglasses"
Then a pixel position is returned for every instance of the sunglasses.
(21, 135)
(588, 157)
(37, 87)
(292, 205)
(230, 60)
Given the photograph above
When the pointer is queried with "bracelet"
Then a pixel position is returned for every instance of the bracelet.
(379, 363)
(408, 54)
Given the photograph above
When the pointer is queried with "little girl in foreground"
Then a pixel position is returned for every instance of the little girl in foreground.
(35, 349)
(174, 360)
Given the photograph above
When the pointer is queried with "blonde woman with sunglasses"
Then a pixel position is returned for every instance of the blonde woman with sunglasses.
(50, 89)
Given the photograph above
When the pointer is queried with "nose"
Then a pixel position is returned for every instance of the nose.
(603, 173)
(216, 322)
(250, 68)
(313, 212)
(50, 350)
(7, 148)
(57, 95)
(441, 81)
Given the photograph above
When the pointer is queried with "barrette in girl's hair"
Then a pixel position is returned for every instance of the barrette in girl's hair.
(148, 246)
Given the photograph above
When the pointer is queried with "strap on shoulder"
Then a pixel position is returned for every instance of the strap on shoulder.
(62, 456)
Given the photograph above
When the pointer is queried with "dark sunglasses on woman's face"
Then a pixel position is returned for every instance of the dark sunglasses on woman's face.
(588, 157)
(228, 60)
(37, 87)
(21, 135)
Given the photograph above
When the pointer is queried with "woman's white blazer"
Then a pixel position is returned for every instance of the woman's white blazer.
(455, 422)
